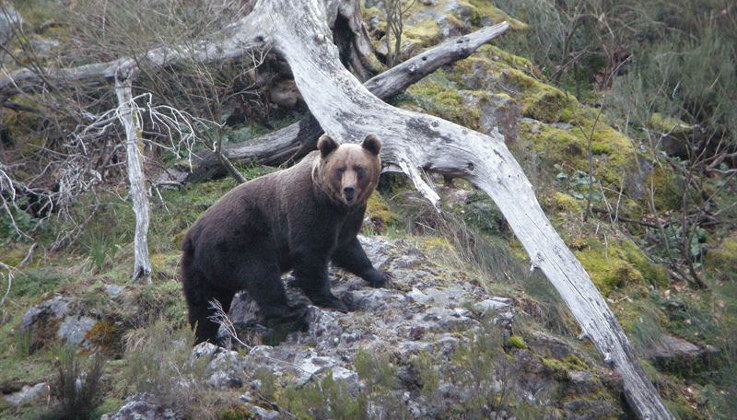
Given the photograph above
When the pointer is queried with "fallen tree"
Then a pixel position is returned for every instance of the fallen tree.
(413, 143)
(296, 140)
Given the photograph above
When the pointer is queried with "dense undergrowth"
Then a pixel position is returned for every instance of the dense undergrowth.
(656, 232)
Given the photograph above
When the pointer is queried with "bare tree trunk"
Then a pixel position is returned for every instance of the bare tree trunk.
(129, 118)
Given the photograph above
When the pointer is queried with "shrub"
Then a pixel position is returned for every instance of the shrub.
(78, 389)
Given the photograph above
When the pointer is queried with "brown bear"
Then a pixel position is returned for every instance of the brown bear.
(297, 219)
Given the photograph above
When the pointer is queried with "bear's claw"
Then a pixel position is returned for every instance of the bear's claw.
(331, 302)
(379, 278)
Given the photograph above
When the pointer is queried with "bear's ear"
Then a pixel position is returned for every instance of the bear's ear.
(326, 144)
(372, 144)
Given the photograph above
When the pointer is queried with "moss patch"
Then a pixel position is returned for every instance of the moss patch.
(619, 264)
(566, 203)
(724, 257)
(439, 96)
(379, 212)
(517, 342)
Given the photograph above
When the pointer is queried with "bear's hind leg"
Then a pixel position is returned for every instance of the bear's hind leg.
(201, 311)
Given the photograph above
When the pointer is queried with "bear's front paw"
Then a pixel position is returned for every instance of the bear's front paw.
(378, 278)
(329, 301)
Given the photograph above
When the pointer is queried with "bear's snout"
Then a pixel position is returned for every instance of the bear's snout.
(349, 192)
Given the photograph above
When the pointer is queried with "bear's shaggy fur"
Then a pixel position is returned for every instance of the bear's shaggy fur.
(296, 219)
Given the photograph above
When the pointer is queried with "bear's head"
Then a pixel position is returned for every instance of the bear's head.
(348, 173)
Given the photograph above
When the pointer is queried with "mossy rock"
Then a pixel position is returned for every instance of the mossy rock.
(619, 264)
(724, 257)
(666, 124)
(485, 14)
(107, 336)
(516, 342)
(439, 96)
(165, 265)
(667, 188)
(379, 212)
(565, 203)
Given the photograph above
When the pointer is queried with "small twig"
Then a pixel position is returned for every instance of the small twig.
(220, 317)
(29, 255)
(10, 280)
(623, 219)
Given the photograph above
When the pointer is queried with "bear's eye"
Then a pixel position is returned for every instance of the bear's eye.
(360, 171)
(339, 171)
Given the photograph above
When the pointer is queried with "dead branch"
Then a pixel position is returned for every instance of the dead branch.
(298, 139)
(132, 124)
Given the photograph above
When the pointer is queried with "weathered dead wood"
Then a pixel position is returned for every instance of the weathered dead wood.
(129, 119)
(298, 139)
(415, 142)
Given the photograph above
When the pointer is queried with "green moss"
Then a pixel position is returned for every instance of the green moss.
(613, 154)
(724, 257)
(517, 342)
(566, 203)
(667, 188)
(378, 210)
(107, 337)
(238, 412)
(666, 124)
(436, 245)
(425, 31)
(165, 265)
(619, 264)
(484, 13)
(439, 96)
(546, 103)
(515, 61)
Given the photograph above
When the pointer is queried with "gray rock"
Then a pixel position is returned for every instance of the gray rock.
(173, 177)
(225, 368)
(494, 304)
(28, 394)
(674, 353)
(58, 307)
(455, 196)
(496, 112)
(441, 319)
(8, 19)
(561, 125)
(262, 413)
(44, 47)
(583, 382)
(142, 407)
(73, 330)
(308, 364)
(375, 299)
(113, 290)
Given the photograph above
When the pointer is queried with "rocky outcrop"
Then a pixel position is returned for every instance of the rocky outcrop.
(430, 327)
(680, 356)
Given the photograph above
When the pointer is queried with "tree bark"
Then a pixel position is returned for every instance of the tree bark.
(129, 119)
